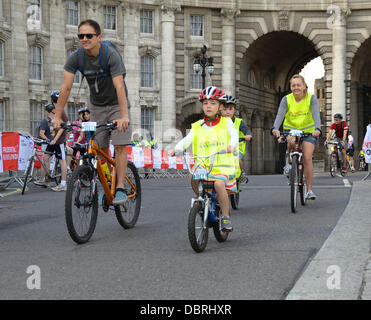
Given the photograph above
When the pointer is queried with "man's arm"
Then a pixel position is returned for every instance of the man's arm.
(64, 94)
(118, 83)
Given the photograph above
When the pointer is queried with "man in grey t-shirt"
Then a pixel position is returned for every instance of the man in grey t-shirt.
(108, 97)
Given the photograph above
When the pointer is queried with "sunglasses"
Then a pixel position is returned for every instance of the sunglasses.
(87, 35)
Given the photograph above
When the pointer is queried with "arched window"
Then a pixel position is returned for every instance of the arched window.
(35, 63)
(146, 71)
(251, 77)
(267, 82)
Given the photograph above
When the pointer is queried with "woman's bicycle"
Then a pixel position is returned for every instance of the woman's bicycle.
(335, 159)
(296, 172)
(205, 210)
(81, 204)
(53, 173)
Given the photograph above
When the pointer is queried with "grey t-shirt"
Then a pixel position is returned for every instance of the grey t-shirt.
(102, 91)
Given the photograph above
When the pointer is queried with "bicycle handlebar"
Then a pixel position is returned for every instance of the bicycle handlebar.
(40, 141)
(108, 126)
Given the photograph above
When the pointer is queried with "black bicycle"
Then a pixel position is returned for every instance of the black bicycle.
(53, 172)
(296, 172)
(335, 159)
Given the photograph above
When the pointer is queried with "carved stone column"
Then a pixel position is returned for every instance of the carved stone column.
(338, 63)
(229, 50)
(168, 93)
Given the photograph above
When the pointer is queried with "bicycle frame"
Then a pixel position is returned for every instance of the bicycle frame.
(49, 173)
(95, 153)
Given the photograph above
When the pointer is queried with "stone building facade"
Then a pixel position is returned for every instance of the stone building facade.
(256, 45)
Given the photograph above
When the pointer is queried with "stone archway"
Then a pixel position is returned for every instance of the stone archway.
(265, 69)
(360, 86)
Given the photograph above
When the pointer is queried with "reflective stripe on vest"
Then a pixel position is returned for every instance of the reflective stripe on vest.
(299, 115)
(210, 140)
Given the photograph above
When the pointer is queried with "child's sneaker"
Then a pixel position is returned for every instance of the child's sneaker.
(120, 197)
(226, 224)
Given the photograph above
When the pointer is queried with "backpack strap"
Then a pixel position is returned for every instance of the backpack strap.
(103, 58)
(81, 60)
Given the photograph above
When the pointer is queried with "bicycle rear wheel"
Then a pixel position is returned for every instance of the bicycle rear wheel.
(81, 204)
(220, 236)
(235, 200)
(28, 172)
(128, 213)
(294, 184)
(197, 234)
(57, 172)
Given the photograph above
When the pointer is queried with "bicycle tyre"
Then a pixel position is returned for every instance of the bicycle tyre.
(121, 210)
(57, 172)
(28, 171)
(235, 200)
(302, 186)
(333, 166)
(294, 184)
(81, 175)
(198, 241)
(220, 236)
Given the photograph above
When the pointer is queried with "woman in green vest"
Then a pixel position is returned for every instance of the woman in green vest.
(244, 132)
(300, 110)
(207, 136)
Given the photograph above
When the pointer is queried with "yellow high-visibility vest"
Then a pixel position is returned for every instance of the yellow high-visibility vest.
(210, 140)
(241, 144)
(299, 115)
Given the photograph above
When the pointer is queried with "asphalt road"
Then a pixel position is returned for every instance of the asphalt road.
(262, 258)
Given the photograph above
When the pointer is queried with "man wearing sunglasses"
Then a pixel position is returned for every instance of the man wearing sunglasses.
(108, 96)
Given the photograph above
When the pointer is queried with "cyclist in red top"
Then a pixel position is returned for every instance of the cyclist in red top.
(341, 129)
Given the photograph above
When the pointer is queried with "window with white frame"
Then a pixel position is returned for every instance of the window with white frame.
(72, 13)
(146, 21)
(146, 71)
(36, 115)
(109, 17)
(195, 78)
(251, 77)
(35, 63)
(77, 74)
(2, 115)
(1, 59)
(147, 119)
(34, 10)
(197, 25)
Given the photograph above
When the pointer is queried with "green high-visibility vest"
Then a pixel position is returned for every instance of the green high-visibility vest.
(299, 115)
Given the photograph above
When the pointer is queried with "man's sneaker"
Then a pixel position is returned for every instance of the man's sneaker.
(226, 224)
(310, 195)
(353, 169)
(344, 170)
(60, 187)
(120, 197)
(40, 182)
(286, 169)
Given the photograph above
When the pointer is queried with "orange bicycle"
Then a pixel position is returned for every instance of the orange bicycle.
(81, 204)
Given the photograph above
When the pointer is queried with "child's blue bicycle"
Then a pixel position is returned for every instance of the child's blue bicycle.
(205, 210)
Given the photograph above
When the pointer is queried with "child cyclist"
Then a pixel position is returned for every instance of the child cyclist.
(228, 110)
(211, 134)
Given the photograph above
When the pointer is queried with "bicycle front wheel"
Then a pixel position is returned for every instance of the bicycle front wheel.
(333, 166)
(81, 204)
(28, 172)
(302, 185)
(128, 213)
(294, 184)
(197, 234)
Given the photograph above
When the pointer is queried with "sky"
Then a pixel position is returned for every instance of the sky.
(313, 70)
